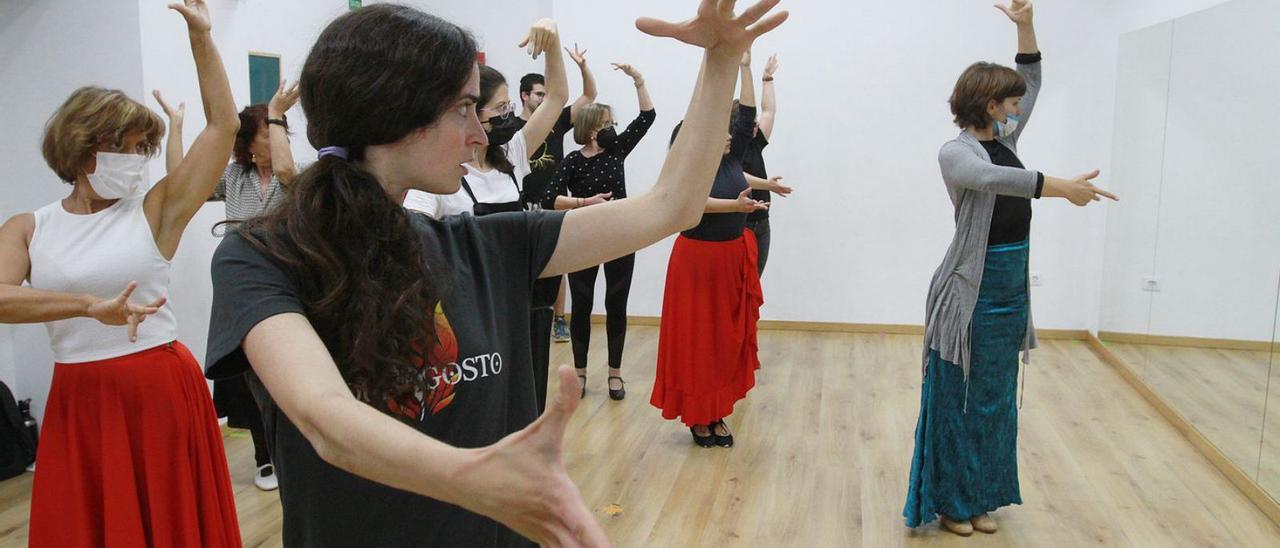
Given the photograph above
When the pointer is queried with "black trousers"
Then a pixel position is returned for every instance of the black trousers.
(233, 400)
(582, 286)
(540, 337)
(260, 454)
(761, 229)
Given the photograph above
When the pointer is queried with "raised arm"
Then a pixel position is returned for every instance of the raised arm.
(747, 95)
(282, 165)
(637, 79)
(172, 202)
(768, 102)
(588, 81)
(638, 128)
(593, 235)
(1021, 12)
(173, 144)
(544, 39)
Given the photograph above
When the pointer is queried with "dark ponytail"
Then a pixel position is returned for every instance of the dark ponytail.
(374, 75)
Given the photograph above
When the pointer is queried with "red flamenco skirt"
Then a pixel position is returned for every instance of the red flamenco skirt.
(707, 342)
(131, 455)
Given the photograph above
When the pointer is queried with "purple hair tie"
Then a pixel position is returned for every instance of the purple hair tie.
(340, 152)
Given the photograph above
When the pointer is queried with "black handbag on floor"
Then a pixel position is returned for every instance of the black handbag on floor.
(17, 440)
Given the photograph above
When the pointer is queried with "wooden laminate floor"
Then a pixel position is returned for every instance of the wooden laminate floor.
(823, 448)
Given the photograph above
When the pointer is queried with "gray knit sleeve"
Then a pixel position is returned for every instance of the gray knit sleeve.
(962, 168)
(1031, 74)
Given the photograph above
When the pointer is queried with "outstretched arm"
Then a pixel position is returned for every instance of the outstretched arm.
(597, 234)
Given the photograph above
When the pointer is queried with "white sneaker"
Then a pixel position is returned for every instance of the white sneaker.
(265, 479)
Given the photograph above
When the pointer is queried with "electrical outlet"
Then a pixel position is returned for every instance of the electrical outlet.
(1150, 284)
(1036, 280)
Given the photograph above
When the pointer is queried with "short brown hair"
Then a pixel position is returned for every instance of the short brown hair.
(980, 84)
(588, 120)
(90, 117)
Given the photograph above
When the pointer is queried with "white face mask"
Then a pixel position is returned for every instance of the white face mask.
(117, 175)
(1008, 127)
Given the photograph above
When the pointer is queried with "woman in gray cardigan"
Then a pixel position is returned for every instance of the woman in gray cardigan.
(978, 313)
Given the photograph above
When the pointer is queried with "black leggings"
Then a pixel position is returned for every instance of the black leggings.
(540, 335)
(582, 286)
(260, 454)
(761, 229)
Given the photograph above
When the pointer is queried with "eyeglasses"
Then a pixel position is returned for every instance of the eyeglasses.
(504, 108)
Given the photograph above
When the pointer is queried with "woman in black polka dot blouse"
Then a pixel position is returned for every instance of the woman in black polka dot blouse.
(591, 176)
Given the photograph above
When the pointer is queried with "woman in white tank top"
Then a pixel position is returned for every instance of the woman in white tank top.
(131, 453)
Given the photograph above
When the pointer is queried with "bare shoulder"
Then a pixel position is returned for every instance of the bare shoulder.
(15, 245)
(22, 225)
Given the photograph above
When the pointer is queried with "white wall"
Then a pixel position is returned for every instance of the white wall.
(1203, 222)
(862, 94)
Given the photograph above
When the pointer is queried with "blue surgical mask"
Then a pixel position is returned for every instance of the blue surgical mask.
(1008, 127)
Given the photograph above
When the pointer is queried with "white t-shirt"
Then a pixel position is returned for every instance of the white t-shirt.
(490, 187)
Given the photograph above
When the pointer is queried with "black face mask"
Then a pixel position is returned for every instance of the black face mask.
(502, 129)
(607, 137)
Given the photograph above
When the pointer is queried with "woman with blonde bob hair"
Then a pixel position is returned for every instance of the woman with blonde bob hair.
(131, 453)
(590, 176)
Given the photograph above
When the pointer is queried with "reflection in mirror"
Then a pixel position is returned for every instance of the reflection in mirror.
(1269, 455)
(1195, 251)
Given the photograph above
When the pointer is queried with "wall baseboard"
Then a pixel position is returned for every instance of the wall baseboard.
(842, 327)
(1197, 342)
(1255, 493)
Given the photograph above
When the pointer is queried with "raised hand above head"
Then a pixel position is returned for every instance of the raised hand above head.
(1019, 11)
(284, 99)
(715, 27)
(542, 37)
(170, 112)
(771, 66)
(579, 57)
(196, 13)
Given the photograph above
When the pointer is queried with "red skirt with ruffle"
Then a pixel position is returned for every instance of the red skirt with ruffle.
(131, 455)
(707, 342)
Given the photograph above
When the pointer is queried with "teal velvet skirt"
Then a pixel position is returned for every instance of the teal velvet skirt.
(966, 460)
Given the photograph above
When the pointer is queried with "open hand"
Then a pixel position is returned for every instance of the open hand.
(716, 28)
(119, 311)
(521, 480)
(196, 13)
(175, 115)
(1019, 11)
